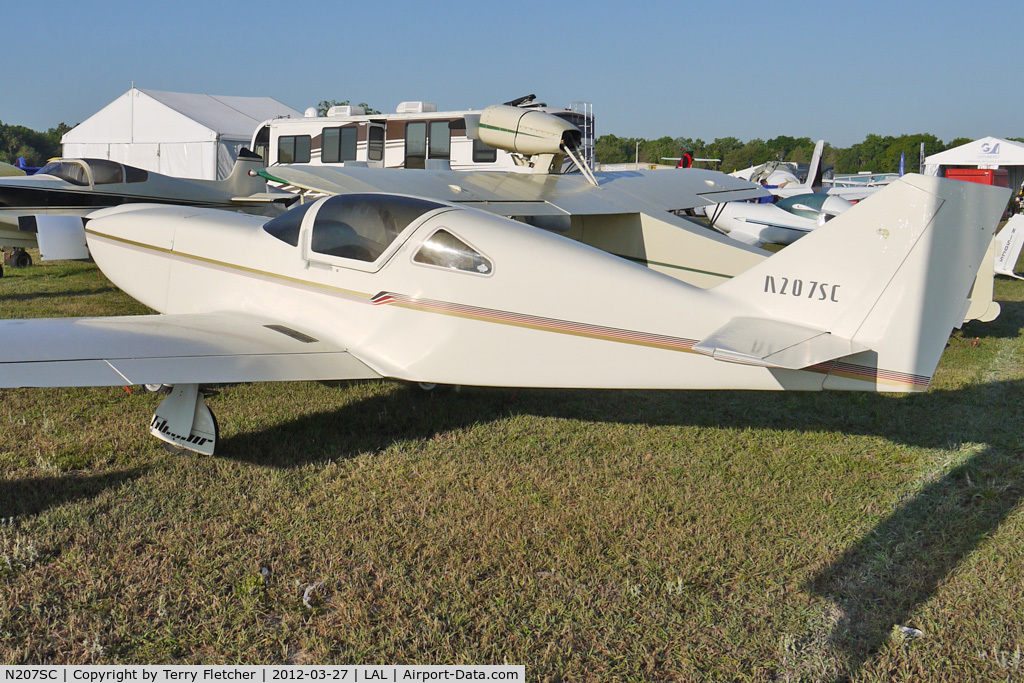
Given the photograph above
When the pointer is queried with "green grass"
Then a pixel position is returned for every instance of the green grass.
(588, 535)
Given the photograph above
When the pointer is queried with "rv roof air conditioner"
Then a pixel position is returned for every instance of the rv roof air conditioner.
(346, 110)
(415, 107)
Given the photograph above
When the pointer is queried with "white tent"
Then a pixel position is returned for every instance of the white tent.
(178, 134)
(984, 153)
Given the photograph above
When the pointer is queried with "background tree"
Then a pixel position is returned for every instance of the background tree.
(35, 147)
(325, 105)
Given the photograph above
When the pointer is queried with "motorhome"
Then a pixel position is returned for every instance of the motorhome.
(415, 136)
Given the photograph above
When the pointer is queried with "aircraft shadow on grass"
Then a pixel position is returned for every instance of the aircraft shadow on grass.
(47, 296)
(27, 497)
(877, 583)
(881, 581)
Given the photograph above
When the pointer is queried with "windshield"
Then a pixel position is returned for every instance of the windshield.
(72, 171)
(363, 226)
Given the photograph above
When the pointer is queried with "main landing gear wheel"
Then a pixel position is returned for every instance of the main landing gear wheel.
(19, 258)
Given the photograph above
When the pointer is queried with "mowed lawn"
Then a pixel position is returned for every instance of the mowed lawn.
(634, 535)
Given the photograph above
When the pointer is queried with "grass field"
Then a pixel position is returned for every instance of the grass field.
(636, 535)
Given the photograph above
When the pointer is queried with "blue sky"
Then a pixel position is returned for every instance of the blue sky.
(837, 71)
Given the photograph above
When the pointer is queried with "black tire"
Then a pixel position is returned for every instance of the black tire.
(21, 259)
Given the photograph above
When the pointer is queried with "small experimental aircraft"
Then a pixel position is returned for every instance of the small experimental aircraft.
(780, 178)
(76, 187)
(360, 286)
(783, 222)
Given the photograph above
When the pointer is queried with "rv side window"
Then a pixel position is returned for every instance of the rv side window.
(293, 149)
(484, 153)
(375, 145)
(440, 140)
(339, 145)
(416, 144)
(445, 250)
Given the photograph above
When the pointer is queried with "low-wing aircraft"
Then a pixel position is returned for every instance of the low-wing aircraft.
(359, 286)
(783, 222)
(77, 187)
(780, 178)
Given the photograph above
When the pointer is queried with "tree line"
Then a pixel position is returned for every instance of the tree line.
(34, 147)
(877, 153)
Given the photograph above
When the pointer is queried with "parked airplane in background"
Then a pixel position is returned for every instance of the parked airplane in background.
(783, 222)
(781, 180)
(76, 187)
(378, 285)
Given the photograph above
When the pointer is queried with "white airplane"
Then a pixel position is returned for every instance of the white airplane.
(363, 286)
(783, 222)
(76, 187)
(781, 180)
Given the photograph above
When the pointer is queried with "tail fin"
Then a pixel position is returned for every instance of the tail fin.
(240, 181)
(814, 171)
(871, 297)
(1008, 243)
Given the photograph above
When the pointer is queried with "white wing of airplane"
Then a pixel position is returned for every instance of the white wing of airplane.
(167, 349)
(527, 194)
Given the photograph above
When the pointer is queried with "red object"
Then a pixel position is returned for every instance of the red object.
(999, 177)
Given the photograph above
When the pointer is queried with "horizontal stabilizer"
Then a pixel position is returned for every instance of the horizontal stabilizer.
(774, 343)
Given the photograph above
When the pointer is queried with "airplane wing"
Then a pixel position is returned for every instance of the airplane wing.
(529, 194)
(775, 343)
(165, 349)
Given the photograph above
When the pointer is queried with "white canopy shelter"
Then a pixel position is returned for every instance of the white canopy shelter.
(984, 153)
(178, 134)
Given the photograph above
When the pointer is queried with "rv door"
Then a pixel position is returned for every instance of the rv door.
(375, 145)
(261, 144)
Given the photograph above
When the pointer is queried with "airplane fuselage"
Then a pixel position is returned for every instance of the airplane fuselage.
(543, 311)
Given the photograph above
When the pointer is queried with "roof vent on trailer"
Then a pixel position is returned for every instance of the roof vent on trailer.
(415, 107)
(346, 110)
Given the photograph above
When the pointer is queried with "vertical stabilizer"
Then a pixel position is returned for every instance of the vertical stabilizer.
(1008, 243)
(890, 276)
